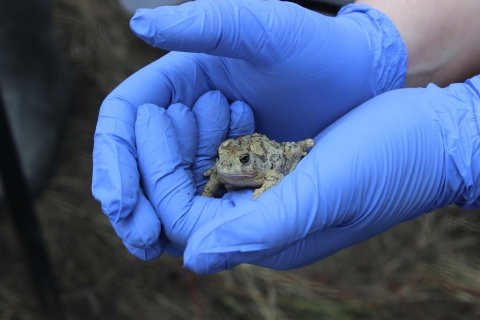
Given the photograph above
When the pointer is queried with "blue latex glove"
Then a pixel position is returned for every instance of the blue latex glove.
(398, 156)
(171, 163)
(200, 131)
(297, 69)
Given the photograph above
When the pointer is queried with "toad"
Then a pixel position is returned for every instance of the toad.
(253, 161)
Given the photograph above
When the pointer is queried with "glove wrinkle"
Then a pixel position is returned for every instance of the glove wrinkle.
(390, 53)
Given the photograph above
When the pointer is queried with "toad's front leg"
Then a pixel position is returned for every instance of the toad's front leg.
(213, 184)
(272, 178)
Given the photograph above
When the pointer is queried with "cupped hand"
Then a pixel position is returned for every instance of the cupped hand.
(170, 139)
(171, 162)
(297, 69)
(398, 156)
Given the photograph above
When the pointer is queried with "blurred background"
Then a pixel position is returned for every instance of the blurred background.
(58, 61)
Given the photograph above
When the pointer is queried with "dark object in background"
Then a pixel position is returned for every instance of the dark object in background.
(35, 93)
(25, 221)
(35, 87)
(326, 6)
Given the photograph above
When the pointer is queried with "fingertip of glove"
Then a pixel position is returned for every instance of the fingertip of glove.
(212, 113)
(149, 110)
(178, 109)
(148, 254)
(241, 120)
(142, 27)
(214, 97)
(192, 261)
(174, 28)
(202, 264)
(240, 107)
(202, 259)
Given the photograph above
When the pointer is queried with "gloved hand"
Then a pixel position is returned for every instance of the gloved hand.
(209, 122)
(398, 156)
(171, 163)
(297, 69)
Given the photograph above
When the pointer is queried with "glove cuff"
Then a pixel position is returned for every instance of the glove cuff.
(472, 194)
(388, 49)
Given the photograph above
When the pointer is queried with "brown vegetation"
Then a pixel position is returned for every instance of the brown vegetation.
(424, 269)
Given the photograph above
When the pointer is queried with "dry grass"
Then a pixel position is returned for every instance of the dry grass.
(424, 269)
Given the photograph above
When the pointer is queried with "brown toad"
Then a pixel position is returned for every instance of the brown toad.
(253, 161)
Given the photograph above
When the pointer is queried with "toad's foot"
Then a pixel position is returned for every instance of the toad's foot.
(272, 178)
(213, 184)
(305, 144)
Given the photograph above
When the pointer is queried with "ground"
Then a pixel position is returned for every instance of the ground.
(423, 269)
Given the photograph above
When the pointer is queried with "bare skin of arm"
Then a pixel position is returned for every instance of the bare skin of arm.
(441, 38)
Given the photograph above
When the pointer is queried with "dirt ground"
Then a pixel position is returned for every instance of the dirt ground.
(423, 269)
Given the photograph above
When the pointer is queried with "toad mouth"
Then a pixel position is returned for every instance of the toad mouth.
(236, 176)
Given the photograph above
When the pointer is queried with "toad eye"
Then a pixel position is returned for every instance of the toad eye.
(244, 158)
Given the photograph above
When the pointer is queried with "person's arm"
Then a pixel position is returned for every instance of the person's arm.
(441, 38)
